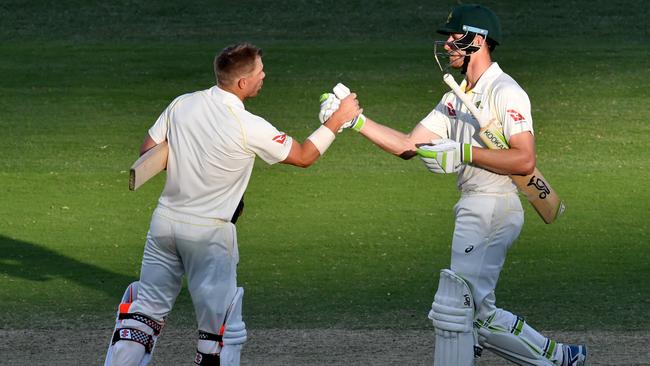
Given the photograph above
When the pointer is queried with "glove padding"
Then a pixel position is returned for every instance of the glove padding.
(445, 156)
(330, 103)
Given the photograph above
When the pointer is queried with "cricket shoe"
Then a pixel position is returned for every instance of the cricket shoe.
(574, 355)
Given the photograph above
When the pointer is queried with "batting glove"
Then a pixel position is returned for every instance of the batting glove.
(445, 156)
(341, 91)
(329, 104)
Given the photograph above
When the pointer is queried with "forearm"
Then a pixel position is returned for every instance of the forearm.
(510, 161)
(388, 139)
(302, 155)
(305, 154)
(147, 144)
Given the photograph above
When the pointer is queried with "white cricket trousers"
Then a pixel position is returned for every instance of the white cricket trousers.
(486, 227)
(205, 250)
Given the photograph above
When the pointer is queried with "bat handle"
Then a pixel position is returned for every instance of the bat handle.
(467, 101)
(341, 91)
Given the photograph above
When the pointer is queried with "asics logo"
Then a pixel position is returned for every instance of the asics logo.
(469, 249)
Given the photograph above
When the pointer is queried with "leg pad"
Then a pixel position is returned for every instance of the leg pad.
(452, 313)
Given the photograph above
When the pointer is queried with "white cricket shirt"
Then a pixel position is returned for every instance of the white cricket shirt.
(497, 95)
(213, 142)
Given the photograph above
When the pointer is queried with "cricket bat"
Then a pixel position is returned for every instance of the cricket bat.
(148, 165)
(535, 187)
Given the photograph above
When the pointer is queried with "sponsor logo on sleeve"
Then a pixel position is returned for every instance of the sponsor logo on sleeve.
(280, 139)
(450, 110)
(516, 116)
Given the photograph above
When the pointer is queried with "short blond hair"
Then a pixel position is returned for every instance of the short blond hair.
(234, 62)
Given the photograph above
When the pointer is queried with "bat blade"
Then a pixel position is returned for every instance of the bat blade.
(541, 196)
(148, 165)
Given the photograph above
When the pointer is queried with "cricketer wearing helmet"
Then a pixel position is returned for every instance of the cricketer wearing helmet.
(213, 143)
(488, 215)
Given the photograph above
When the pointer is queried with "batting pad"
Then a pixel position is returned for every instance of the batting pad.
(452, 313)
(143, 328)
(519, 348)
(234, 334)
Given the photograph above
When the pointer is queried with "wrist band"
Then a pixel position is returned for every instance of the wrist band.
(358, 125)
(467, 153)
(322, 138)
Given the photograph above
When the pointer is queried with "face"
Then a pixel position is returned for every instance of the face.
(456, 55)
(255, 79)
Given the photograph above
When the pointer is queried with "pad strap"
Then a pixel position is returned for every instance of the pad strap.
(134, 335)
(207, 359)
(205, 336)
(157, 327)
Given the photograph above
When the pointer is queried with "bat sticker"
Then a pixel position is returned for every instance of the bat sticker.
(540, 185)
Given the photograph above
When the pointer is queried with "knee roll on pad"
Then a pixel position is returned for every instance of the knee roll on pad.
(132, 327)
(234, 327)
(452, 313)
(512, 345)
(234, 334)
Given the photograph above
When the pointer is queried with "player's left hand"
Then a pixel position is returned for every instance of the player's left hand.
(445, 156)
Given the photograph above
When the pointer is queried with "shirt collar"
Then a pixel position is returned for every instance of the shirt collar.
(227, 97)
(486, 79)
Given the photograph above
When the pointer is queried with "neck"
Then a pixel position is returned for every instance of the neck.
(475, 69)
(238, 92)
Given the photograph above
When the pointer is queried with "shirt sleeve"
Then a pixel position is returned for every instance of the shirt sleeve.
(512, 108)
(158, 131)
(266, 141)
(437, 121)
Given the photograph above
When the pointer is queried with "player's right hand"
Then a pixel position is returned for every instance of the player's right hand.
(330, 103)
(348, 111)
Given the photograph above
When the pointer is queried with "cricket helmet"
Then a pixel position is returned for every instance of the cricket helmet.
(473, 18)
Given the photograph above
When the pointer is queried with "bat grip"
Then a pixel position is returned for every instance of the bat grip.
(341, 91)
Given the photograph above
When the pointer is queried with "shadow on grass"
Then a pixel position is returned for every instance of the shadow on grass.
(32, 262)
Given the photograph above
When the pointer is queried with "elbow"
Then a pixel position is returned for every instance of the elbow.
(528, 170)
(304, 163)
(408, 154)
(528, 167)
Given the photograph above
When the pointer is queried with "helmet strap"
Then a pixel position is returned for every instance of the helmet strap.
(466, 60)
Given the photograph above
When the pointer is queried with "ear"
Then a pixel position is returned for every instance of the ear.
(241, 83)
(479, 41)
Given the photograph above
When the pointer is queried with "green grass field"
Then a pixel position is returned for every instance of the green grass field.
(357, 240)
